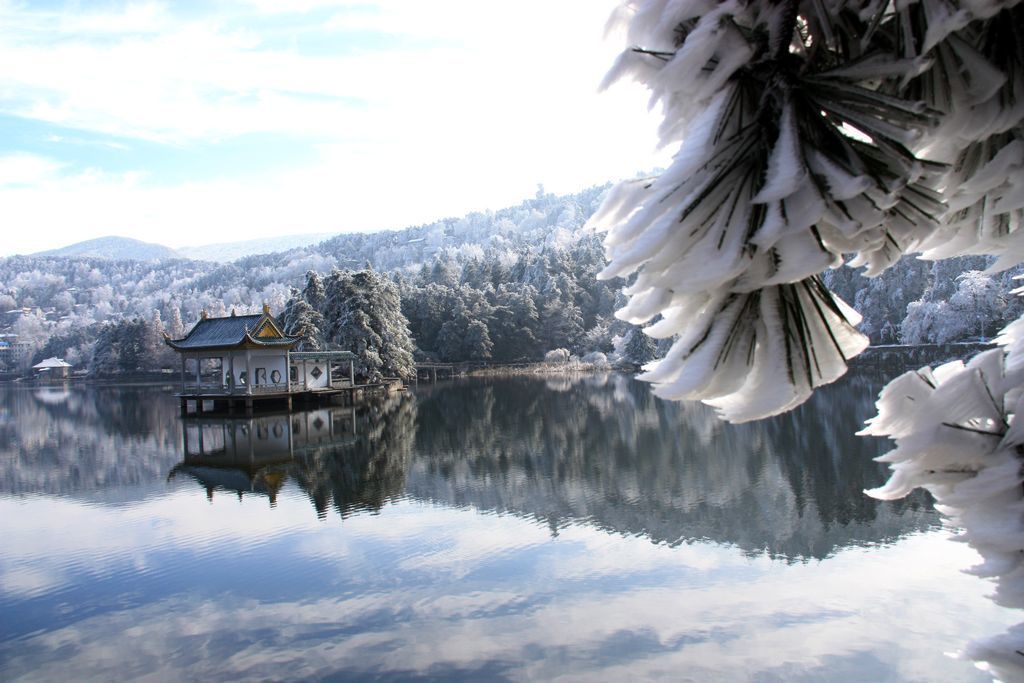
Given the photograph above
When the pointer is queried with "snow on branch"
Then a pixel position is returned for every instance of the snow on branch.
(768, 189)
(809, 131)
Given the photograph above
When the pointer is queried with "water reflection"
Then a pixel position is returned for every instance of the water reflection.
(253, 454)
(113, 444)
(342, 458)
(332, 544)
(603, 451)
(598, 450)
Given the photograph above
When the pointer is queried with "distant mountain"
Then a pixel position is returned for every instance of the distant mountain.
(225, 252)
(115, 249)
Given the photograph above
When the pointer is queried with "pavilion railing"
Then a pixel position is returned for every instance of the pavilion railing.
(220, 389)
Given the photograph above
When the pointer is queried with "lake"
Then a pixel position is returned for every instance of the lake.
(562, 528)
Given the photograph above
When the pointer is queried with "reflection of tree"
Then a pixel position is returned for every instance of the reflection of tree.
(94, 438)
(607, 452)
(367, 473)
(601, 449)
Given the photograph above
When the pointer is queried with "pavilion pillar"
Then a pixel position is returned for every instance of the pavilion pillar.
(248, 376)
(231, 373)
(330, 380)
(352, 373)
(305, 376)
(199, 379)
(183, 373)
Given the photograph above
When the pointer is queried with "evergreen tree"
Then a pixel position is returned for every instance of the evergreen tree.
(105, 360)
(125, 347)
(314, 292)
(301, 319)
(478, 343)
(561, 321)
(362, 314)
(449, 341)
(639, 349)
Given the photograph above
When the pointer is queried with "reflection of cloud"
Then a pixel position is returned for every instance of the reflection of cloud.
(26, 580)
(96, 539)
(433, 599)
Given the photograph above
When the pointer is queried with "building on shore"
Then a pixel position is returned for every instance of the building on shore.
(239, 360)
(52, 369)
(13, 352)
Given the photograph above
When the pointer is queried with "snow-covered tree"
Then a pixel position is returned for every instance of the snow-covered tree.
(362, 314)
(301, 319)
(808, 132)
(478, 341)
(314, 292)
(123, 347)
(160, 354)
(639, 349)
(175, 327)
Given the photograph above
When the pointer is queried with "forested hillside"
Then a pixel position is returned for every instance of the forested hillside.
(503, 285)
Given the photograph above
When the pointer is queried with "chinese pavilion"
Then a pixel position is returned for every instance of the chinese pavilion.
(239, 359)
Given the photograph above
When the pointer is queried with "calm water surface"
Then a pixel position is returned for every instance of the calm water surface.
(512, 529)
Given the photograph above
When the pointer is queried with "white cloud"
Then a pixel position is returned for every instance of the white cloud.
(487, 101)
(27, 170)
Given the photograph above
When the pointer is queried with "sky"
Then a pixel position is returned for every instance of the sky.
(193, 122)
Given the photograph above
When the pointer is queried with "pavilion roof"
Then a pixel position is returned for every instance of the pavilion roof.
(235, 331)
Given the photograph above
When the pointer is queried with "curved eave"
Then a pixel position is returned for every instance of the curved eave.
(248, 342)
(261, 343)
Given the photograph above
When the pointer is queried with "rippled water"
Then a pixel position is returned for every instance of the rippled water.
(571, 529)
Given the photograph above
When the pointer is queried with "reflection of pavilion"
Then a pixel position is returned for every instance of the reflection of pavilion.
(252, 454)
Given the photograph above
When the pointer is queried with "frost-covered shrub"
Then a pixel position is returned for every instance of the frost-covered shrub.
(597, 359)
(557, 356)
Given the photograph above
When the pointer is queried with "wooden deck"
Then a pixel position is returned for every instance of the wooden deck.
(219, 400)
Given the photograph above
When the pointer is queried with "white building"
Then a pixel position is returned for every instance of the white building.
(254, 359)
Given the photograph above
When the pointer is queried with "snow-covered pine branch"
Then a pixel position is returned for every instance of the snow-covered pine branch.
(808, 131)
(790, 159)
